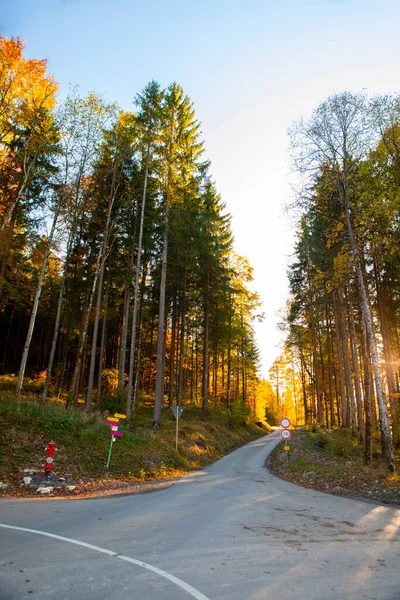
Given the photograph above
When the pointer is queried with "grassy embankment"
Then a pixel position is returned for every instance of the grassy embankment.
(83, 440)
(333, 462)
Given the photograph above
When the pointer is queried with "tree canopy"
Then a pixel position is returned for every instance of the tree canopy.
(119, 283)
(342, 318)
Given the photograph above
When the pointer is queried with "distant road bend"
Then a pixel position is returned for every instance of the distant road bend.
(230, 532)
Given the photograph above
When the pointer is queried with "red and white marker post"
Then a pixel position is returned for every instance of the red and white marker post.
(48, 466)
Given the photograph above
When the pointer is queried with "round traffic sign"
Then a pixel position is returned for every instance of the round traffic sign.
(284, 423)
(286, 434)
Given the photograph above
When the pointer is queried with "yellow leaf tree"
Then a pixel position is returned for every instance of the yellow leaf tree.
(27, 130)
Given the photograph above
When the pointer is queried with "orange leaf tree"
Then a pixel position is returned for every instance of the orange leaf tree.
(27, 131)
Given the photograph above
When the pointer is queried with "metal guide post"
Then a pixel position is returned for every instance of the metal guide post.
(109, 452)
(177, 411)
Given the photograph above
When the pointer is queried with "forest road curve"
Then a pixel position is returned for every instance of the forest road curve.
(230, 532)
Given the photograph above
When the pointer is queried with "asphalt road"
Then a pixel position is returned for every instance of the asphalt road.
(230, 532)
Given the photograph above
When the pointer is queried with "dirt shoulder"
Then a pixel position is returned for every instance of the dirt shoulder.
(333, 462)
(93, 489)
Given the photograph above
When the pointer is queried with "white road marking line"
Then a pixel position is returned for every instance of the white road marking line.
(182, 584)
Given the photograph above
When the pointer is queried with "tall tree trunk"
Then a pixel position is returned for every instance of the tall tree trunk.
(182, 343)
(89, 393)
(74, 390)
(215, 374)
(35, 307)
(294, 392)
(390, 379)
(171, 383)
(206, 333)
(150, 354)
(316, 371)
(357, 383)
(101, 258)
(243, 363)
(346, 361)
(228, 380)
(339, 351)
(314, 345)
(321, 359)
(386, 432)
(196, 383)
(304, 390)
(330, 369)
(191, 367)
(159, 391)
(124, 340)
(99, 397)
(335, 385)
(138, 359)
(136, 295)
(64, 360)
(215, 362)
(229, 365)
(139, 350)
(367, 389)
(58, 316)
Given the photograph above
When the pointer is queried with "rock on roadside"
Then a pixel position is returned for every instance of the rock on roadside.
(44, 490)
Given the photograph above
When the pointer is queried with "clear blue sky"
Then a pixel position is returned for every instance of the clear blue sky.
(250, 66)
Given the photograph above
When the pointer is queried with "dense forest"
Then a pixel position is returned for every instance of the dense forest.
(342, 357)
(119, 283)
(118, 278)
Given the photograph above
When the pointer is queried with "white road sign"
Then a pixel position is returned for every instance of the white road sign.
(286, 434)
(177, 410)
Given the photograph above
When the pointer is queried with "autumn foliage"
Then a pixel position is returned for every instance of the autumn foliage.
(116, 252)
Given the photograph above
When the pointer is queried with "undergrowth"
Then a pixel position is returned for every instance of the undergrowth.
(333, 461)
(83, 441)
